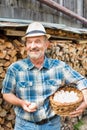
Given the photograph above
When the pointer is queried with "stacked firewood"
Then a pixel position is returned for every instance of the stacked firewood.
(7, 115)
(73, 54)
(11, 50)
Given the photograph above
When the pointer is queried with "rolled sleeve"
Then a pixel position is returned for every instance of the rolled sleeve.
(82, 84)
(8, 82)
(72, 76)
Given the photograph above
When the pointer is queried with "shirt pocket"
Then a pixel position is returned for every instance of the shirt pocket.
(23, 89)
(24, 84)
(53, 82)
(52, 85)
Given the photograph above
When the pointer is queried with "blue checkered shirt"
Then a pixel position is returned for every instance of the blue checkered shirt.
(36, 85)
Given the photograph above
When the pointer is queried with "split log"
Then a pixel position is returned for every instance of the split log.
(2, 54)
(2, 41)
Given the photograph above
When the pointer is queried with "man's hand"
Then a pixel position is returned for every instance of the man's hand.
(29, 107)
(79, 110)
(82, 107)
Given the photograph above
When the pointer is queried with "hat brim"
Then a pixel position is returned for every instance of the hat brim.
(35, 35)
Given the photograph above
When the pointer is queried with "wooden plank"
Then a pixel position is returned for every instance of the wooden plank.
(82, 41)
(10, 32)
(62, 38)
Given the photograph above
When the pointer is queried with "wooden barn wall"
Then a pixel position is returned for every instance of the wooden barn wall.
(34, 10)
(85, 10)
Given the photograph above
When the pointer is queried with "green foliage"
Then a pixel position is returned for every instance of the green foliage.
(78, 125)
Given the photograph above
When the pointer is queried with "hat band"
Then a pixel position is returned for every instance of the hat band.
(35, 31)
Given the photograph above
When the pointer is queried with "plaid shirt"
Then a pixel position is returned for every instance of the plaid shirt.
(36, 85)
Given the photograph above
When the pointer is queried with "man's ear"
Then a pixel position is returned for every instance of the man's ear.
(48, 44)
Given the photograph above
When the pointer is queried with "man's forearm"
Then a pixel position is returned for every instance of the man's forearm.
(11, 98)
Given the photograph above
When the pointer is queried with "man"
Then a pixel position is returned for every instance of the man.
(30, 82)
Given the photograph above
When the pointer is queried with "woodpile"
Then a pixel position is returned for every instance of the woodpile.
(72, 53)
(68, 33)
(11, 50)
(7, 116)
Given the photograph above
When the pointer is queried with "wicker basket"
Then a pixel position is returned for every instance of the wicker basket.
(63, 109)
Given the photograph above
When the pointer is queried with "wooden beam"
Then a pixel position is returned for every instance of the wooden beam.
(10, 32)
(82, 41)
(64, 10)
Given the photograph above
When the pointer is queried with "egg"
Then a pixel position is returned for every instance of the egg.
(66, 96)
(32, 106)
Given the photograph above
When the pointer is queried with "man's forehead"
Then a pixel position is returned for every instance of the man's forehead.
(35, 37)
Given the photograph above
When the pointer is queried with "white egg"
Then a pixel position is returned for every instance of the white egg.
(32, 106)
(66, 96)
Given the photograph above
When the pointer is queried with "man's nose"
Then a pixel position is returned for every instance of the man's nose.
(33, 44)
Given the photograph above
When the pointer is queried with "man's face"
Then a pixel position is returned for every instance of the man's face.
(36, 46)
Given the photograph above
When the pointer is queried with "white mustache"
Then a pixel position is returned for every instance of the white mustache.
(34, 49)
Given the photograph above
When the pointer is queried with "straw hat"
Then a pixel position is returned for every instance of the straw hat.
(35, 29)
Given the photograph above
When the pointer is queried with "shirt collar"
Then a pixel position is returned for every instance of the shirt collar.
(46, 63)
(30, 64)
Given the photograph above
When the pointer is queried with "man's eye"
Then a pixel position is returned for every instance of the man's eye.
(37, 41)
(29, 42)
